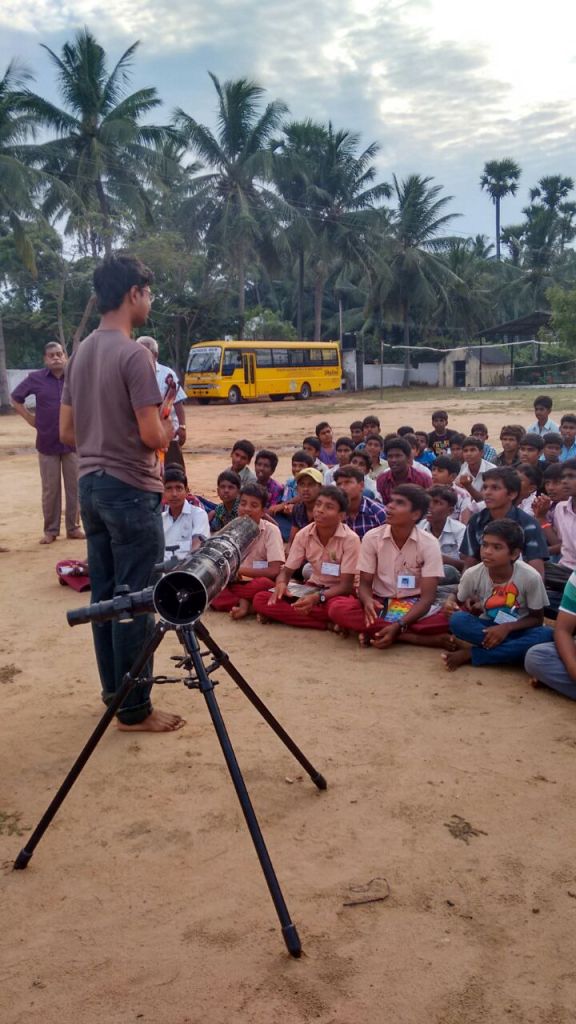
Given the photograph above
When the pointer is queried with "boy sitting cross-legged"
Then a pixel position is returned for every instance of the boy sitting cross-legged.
(502, 600)
(332, 550)
(399, 570)
(262, 561)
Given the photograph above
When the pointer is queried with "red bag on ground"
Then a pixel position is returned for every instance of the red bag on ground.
(72, 573)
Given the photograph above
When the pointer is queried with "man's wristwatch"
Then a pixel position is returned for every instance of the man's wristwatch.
(322, 597)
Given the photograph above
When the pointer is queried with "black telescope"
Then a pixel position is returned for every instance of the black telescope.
(183, 594)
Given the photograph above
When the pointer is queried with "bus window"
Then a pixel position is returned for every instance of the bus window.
(280, 356)
(264, 357)
(330, 356)
(297, 357)
(204, 359)
(315, 356)
(232, 361)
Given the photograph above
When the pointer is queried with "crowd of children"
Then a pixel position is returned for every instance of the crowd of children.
(424, 538)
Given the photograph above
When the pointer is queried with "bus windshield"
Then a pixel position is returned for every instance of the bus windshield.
(204, 359)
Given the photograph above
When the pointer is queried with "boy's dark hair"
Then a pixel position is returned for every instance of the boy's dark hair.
(244, 446)
(569, 464)
(440, 413)
(336, 495)
(508, 531)
(402, 431)
(473, 442)
(371, 421)
(349, 472)
(532, 472)
(479, 426)
(398, 443)
(302, 456)
(255, 491)
(361, 454)
(265, 453)
(389, 437)
(345, 442)
(512, 430)
(447, 462)
(458, 438)
(543, 400)
(321, 426)
(421, 433)
(229, 476)
(568, 417)
(417, 497)
(553, 438)
(374, 437)
(532, 440)
(174, 474)
(553, 471)
(357, 425)
(509, 477)
(447, 494)
(114, 278)
(312, 442)
(412, 440)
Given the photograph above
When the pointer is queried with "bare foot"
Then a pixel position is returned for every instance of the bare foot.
(455, 659)
(157, 721)
(364, 640)
(240, 610)
(445, 641)
(262, 619)
(535, 683)
(48, 538)
(76, 534)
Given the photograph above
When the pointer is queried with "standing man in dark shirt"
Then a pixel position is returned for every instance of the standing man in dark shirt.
(56, 460)
(110, 405)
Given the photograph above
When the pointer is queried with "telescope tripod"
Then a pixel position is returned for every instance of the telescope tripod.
(199, 678)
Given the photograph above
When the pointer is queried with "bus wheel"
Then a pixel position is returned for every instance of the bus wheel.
(234, 396)
(304, 394)
(277, 398)
(203, 401)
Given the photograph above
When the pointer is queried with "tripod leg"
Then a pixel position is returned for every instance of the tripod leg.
(130, 680)
(291, 938)
(255, 700)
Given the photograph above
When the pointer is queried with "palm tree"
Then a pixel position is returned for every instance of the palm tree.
(500, 179)
(103, 152)
(419, 275)
(236, 210)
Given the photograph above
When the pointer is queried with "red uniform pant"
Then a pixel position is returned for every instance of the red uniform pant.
(284, 611)
(234, 592)
(348, 613)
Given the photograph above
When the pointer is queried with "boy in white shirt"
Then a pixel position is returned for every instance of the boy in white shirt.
(186, 526)
(472, 471)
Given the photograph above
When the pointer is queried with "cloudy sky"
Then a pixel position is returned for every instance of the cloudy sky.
(442, 85)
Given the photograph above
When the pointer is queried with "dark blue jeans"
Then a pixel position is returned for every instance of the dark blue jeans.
(125, 538)
(511, 651)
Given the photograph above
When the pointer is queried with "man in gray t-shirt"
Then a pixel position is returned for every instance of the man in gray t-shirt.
(110, 411)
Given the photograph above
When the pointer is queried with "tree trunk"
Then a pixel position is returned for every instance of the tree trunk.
(300, 296)
(340, 320)
(318, 301)
(81, 329)
(406, 323)
(105, 211)
(241, 297)
(497, 228)
(60, 313)
(5, 406)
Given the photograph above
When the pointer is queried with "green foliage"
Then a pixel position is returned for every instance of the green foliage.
(265, 325)
(563, 306)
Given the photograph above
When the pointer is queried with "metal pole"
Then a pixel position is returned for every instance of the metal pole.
(381, 369)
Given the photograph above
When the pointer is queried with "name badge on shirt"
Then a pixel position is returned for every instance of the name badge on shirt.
(405, 582)
(502, 618)
(259, 565)
(330, 569)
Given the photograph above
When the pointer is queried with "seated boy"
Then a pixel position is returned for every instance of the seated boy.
(373, 446)
(241, 457)
(398, 452)
(363, 513)
(399, 570)
(440, 437)
(552, 449)
(186, 526)
(414, 452)
(362, 461)
(473, 468)
(282, 511)
(456, 447)
(356, 432)
(553, 664)
(444, 471)
(568, 432)
(500, 490)
(503, 600)
(555, 490)
(309, 484)
(265, 464)
(370, 425)
(425, 456)
(542, 410)
(510, 437)
(311, 445)
(448, 532)
(480, 430)
(344, 450)
(332, 550)
(262, 561)
(530, 449)
(327, 453)
(228, 486)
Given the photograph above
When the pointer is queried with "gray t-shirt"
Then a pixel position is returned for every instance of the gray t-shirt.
(506, 601)
(107, 379)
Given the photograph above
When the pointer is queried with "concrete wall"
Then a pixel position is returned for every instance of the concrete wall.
(16, 376)
(390, 375)
(492, 374)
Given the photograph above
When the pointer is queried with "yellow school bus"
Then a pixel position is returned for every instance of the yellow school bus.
(239, 370)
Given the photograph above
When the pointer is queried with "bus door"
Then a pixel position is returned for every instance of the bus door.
(249, 366)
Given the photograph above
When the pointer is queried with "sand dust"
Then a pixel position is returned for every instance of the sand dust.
(451, 798)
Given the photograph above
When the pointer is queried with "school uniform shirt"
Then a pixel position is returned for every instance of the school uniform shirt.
(369, 515)
(477, 478)
(268, 547)
(337, 558)
(504, 602)
(564, 523)
(451, 537)
(549, 428)
(568, 453)
(375, 471)
(535, 545)
(192, 522)
(381, 557)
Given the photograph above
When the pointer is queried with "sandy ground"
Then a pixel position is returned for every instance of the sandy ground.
(145, 900)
